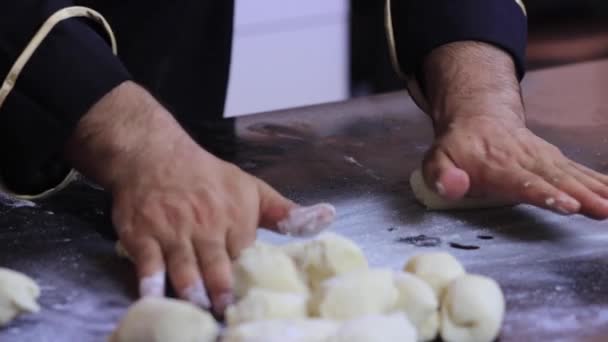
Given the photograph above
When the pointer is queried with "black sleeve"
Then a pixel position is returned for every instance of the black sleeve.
(419, 26)
(71, 70)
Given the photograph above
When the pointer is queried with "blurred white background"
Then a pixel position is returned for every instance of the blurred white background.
(288, 53)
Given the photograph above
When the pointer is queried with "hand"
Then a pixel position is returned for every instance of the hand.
(482, 146)
(191, 214)
(177, 208)
(488, 157)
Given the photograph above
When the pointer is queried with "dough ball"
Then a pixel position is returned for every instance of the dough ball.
(355, 294)
(418, 301)
(325, 257)
(378, 328)
(267, 267)
(262, 304)
(437, 269)
(429, 330)
(162, 319)
(18, 294)
(430, 199)
(472, 310)
(309, 330)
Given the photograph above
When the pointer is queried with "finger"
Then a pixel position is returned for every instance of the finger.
(184, 273)
(285, 217)
(148, 259)
(273, 206)
(602, 178)
(307, 221)
(441, 174)
(521, 185)
(582, 188)
(590, 182)
(591, 203)
(216, 268)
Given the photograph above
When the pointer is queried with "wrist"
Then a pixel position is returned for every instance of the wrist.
(466, 80)
(120, 133)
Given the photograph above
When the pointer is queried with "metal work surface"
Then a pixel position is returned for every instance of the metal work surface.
(357, 155)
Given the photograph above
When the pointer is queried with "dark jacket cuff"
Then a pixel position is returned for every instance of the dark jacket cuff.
(67, 74)
(421, 26)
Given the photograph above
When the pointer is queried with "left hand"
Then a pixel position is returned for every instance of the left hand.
(489, 157)
(482, 145)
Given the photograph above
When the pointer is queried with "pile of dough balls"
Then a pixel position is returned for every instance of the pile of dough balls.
(322, 290)
(471, 307)
(18, 294)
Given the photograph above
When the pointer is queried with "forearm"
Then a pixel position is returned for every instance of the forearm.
(466, 79)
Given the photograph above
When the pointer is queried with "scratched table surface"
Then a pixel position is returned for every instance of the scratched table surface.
(357, 155)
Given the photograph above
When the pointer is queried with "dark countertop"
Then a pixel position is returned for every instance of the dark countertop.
(357, 155)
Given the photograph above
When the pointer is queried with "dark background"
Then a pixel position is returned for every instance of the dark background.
(561, 32)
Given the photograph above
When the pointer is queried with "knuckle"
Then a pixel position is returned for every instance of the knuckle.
(212, 260)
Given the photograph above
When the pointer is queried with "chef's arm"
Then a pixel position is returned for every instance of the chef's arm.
(468, 57)
(419, 31)
(55, 64)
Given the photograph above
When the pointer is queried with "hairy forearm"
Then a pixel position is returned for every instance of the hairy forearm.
(121, 128)
(471, 79)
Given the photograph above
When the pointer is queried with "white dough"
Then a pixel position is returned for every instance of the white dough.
(430, 328)
(18, 294)
(472, 310)
(418, 301)
(267, 267)
(433, 201)
(309, 330)
(325, 257)
(155, 319)
(378, 328)
(438, 269)
(262, 304)
(355, 294)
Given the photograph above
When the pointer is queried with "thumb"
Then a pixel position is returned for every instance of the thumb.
(283, 216)
(443, 176)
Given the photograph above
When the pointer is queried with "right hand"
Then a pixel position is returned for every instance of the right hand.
(180, 210)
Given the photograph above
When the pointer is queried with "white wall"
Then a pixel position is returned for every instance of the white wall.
(288, 53)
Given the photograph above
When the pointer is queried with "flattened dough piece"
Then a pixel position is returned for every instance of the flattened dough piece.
(430, 199)
(267, 267)
(165, 320)
(263, 304)
(377, 328)
(18, 294)
(308, 330)
(438, 269)
(418, 301)
(355, 294)
(325, 257)
(472, 310)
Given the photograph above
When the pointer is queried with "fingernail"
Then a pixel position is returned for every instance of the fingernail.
(440, 188)
(567, 205)
(197, 294)
(563, 210)
(306, 221)
(570, 201)
(222, 302)
(153, 286)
